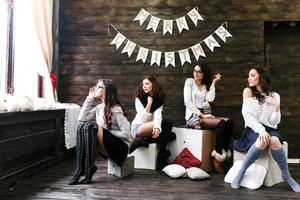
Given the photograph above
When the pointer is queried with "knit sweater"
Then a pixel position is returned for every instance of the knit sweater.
(120, 125)
(189, 93)
(255, 114)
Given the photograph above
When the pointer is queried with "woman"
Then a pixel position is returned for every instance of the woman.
(103, 128)
(148, 126)
(198, 91)
(261, 112)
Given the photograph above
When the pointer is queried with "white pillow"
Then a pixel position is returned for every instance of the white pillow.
(196, 173)
(253, 178)
(174, 170)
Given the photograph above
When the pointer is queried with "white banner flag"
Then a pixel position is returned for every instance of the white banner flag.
(153, 24)
(155, 58)
(142, 55)
(118, 40)
(198, 51)
(223, 33)
(182, 24)
(129, 48)
(211, 42)
(169, 59)
(195, 16)
(142, 16)
(168, 26)
(184, 56)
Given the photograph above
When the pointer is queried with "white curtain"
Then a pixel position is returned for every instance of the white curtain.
(33, 47)
(3, 43)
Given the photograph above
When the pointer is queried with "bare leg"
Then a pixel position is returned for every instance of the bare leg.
(100, 145)
(146, 129)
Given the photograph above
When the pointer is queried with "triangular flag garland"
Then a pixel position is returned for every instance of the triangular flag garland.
(168, 23)
(184, 54)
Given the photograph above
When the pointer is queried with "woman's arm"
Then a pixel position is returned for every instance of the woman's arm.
(211, 94)
(275, 117)
(123, 124)
(87, 113)
(157, 118)
(141, 111)
(187, 94)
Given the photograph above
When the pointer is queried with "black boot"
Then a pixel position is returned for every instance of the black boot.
(80, 156)
(139, 142)
(90, 142)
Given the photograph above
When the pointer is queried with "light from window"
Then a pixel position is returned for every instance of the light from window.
(3, 45)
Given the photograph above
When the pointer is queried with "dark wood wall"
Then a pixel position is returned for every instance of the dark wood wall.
(85, 53)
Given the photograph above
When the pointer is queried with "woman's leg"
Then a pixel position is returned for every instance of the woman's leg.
(90, 133)
(80, 155)
(279, 156)
(146, 130)
(143, 137)
(100, 146)
(253, 154)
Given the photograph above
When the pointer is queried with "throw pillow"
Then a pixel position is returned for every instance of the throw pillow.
(253, 178)
(174, 170)
(187, 159)
(196, 173)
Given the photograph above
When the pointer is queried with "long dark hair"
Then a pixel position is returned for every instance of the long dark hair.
(158, 94)
(207, 75)
(265, 83)
(110, 100)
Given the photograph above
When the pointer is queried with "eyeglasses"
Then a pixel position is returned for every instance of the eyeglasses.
(198, 72)
(98, 87)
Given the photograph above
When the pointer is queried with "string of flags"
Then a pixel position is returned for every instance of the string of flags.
(168, 23)
(184, 54)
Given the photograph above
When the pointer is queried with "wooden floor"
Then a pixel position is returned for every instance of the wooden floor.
(51, 183)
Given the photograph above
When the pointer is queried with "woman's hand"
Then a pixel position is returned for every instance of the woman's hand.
(155, 133)
(217, 77)
(207, 116)
(264, 137)
(271, 100)
(92, 92)
(150, 99)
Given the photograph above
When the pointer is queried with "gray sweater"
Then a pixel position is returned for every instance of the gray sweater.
(120, 125)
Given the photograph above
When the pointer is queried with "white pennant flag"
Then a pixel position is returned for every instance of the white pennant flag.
(155, 58)
(168, 26)
(129, 47)
(153, 24)
(118, 40)
(211, 42)
(223, 33)
(169, 59)
(198, 51)
(184, 56)
(142, 55)
(182, 24)
(195, 16)
(142, 16)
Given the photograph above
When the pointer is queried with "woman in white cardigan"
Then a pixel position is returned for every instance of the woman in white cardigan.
(148, 125)
(197, 92)
(261, 112)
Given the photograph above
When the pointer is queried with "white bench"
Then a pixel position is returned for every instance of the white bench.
(273, 175)
(121, 171)
(199, 142)
(145, 158)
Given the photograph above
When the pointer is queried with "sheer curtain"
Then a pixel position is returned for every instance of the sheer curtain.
(3, 44)
(33, 47)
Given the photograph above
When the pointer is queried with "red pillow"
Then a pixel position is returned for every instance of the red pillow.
(187, 159)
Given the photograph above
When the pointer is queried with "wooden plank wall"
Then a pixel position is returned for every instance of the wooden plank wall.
(85, 53)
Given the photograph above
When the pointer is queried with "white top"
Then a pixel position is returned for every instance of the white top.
(189, 92)
(255, 114)
(142, 116)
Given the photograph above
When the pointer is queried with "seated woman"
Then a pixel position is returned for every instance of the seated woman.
(197, 92)
(148, 126)
(103, 128)
(261, 112)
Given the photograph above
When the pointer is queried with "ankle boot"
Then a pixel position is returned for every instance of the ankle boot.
(90, 148)
(80, 156)
(139, 142)
(218, 161)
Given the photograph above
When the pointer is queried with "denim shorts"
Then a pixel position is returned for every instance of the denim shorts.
(135, 130)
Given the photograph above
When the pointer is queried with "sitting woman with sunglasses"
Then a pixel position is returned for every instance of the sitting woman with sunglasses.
(198, 91)
(103, 128)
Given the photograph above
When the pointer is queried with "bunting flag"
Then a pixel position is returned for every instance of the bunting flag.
(168, 23)
(169, 57)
